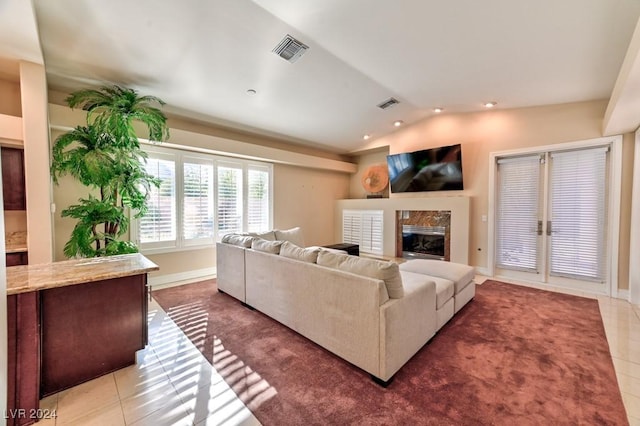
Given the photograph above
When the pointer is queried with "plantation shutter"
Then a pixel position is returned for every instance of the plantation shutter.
(197, 205)
(229, 201)
(517, 213)
(258, 213)
(579, 214)
(158, 225)
(363, 227)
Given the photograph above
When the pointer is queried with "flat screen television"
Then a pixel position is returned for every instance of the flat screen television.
(434, 169)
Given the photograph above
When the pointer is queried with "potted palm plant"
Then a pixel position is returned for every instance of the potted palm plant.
(105, 156)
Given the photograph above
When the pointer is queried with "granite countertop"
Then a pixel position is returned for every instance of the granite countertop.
(23, 279)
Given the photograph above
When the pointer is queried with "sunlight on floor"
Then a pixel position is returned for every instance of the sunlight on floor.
(172, 384)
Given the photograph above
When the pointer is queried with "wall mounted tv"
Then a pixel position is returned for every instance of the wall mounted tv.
(435, 169)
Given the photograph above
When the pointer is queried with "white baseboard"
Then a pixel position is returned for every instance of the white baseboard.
(188, 277)
(481, 270)
(623, 294)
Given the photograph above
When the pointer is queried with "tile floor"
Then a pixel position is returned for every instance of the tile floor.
(173, 384)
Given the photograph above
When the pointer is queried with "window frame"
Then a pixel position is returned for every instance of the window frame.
(180, 156)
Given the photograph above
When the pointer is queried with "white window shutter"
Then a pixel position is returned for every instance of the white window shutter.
(258, 213)
(230, 201)
(159, 224)
(365, 228)
(197, 204)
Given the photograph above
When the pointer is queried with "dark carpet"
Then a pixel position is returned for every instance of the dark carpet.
(513, 355)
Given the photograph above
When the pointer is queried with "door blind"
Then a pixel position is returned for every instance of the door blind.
(579, 214)
(517, 213)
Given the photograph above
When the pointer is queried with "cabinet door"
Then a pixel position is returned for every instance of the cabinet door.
(13, 186)
(15, 259)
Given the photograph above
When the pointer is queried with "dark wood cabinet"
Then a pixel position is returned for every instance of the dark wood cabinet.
(16, 259)
(13, 184)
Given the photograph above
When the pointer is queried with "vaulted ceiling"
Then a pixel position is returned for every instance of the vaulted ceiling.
(204, 56)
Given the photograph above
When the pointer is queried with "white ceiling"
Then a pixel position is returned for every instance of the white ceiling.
(201, 56)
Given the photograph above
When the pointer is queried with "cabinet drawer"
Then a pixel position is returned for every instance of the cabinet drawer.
(13, 184)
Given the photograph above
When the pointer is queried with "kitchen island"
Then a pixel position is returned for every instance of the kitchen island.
(70, 322)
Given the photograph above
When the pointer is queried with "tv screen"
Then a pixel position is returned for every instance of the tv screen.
(435, 169)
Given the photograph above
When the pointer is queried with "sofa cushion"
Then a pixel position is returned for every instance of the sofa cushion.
(293, 235)
(382, 270)
(460, 274)
(444, 287)
(266, 245)
(238, 240)
(292, 251)
(265, 235)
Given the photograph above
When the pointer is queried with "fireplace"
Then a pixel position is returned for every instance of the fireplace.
(424, 242)
(423, 234)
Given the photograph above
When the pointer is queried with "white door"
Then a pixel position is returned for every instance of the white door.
(551, 218)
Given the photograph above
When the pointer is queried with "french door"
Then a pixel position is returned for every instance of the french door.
(552, 217)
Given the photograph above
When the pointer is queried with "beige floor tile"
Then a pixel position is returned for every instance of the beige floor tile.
(87, 398)
(626, 367)
(173, 417)
(629, 384)
(631, 404)
(135, 379)
(217, 402)
(110, 415)
(634, 421)
(624, 349)
(163, 397)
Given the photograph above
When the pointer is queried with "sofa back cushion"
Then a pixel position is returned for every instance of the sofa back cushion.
(386, 271)
(293, 235)
(292, 251)
(238, 240)
(266, 245)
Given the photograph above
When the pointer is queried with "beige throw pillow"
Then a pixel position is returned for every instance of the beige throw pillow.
(292, 251)
(266, 246)
(265, 235)
(237, 240)
(293, 235)
(381, 270)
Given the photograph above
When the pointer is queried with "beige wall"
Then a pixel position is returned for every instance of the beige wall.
(305, 197)
(10, 102)
(501, 130)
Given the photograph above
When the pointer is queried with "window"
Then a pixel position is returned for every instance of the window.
(201, 198)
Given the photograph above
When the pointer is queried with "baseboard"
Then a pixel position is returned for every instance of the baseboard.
(481, 270)
(623, 294)
(173, 280)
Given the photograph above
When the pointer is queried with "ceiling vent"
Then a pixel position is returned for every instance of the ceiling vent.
(290, 49)
(388, 103)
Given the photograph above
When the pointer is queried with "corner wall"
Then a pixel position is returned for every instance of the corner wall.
(484, 132)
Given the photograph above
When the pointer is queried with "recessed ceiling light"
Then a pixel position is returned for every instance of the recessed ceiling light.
(366, 137)
(251, 92)
(490, 104)
(438, 110)
(398, 123)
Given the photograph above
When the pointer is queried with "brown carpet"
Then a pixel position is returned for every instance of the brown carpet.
(514, 355)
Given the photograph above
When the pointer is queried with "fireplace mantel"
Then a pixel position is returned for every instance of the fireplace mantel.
(458, 206)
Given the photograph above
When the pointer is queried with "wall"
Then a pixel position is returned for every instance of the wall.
(303, 196)
(484, 132)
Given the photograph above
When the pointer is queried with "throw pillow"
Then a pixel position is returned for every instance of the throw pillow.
(292, 251)
(265, 235)
(293, 235)
(266, 246)
(378, 269)
(238, 240)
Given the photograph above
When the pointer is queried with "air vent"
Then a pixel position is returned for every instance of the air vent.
(290, 49)
(388, 103)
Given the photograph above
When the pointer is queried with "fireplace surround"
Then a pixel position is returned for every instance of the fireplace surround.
(423, 234)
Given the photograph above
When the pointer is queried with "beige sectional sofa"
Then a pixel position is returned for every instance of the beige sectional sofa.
(374, 314)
